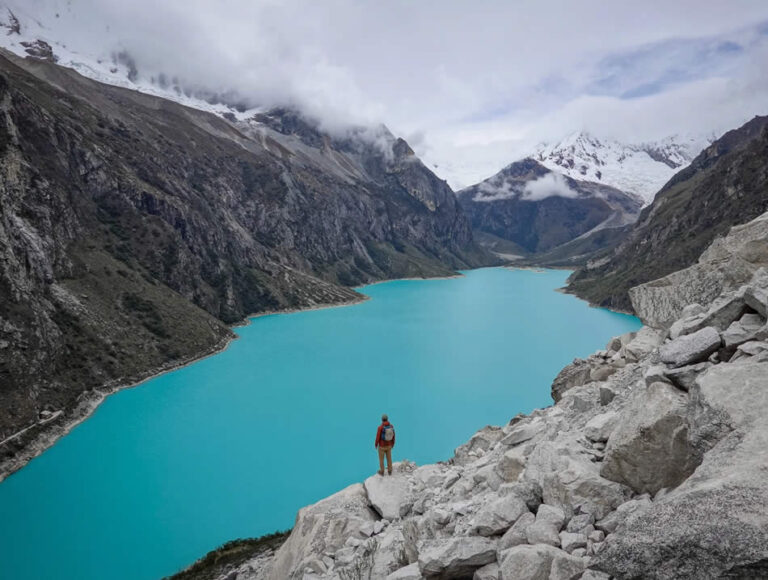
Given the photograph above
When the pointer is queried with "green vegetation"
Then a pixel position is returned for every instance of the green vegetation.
(231, 555)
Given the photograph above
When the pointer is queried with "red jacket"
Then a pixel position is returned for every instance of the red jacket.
(378, 437)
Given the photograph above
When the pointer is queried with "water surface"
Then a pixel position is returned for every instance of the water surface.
(233, 445)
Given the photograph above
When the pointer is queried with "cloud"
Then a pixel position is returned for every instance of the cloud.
(548, 185)
(477, 83)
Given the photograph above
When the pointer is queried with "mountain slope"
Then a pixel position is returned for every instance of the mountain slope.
(726, 185)
(641, 169)
(132, 229)
(538, 210)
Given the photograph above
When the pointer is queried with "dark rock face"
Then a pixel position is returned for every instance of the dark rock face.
(726, 185)
(132, 229)
(557, 211)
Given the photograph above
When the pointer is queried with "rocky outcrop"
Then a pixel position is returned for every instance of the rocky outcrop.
(664, 478)
(726, 185)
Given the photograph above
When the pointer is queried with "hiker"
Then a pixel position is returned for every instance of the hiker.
(385, 441)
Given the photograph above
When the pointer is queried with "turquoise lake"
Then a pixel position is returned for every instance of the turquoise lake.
(233, 445)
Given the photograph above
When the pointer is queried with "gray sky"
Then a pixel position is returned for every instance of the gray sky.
(472, 85)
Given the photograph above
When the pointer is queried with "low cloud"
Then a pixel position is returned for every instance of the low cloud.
(549, 185)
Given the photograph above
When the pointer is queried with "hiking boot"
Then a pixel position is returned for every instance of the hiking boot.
(389, 472)
(380, 472)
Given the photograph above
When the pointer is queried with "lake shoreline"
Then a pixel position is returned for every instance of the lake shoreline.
(51, 431)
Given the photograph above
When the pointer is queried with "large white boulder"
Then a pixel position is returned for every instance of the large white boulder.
(497, 516)
(650, 448)
(321, 528)
(390, 495)
(539, 563)
(691, 348)
(455, 557)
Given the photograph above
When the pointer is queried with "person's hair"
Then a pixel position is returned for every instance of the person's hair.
(384, 417)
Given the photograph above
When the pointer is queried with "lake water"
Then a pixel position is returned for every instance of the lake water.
(233, 445)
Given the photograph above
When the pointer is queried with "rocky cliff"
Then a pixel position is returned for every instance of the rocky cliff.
(726, 185)
(651, 464)
(133, 230)
(530, 210)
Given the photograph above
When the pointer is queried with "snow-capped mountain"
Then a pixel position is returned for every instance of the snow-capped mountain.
(641, 168)
(40, 30)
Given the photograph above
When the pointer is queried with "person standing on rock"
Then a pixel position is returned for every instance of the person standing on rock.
(385, 441)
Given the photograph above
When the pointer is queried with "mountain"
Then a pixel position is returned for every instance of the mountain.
(134, 229)
(726, 185)
(528, 209)
(641, 169)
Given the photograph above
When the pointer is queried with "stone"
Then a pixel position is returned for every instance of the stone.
(497, 517)
(478, 445)
(748, 327)
(440, 516)
(757, 299)
(489, 476)
(409, 572)
(511, 465)
(684, 377)
(595, 575)
(528, 491)
(546, 527)
(391, 496)
(614, 345)
(606, 395)
(539, 562)
(487, 572)
(574, 375)
(521, 434)
(518, 533)
(655, 374)
(378, 526)
(388, 552)
(646, 341)
(432, 476)
(322, 527)
(601, 373)
(366, 529)
(596, 537)
(580, 522)
(612, 521)
(691, 348)
(650, 448)
(455, 557)
(570, 541)
(600, 427)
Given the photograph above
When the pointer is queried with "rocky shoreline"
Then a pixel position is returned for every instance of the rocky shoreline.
(651, 464)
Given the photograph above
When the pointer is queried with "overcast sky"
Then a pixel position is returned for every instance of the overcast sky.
(473, 84)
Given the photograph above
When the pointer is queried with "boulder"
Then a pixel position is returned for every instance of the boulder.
(646, 340)
(521, 434)
(684, 377)
(455, 557)
(539, 563)
(487, 572)
(478, 445)
(601, 373)
(570, 541)
(518, 533)
(387, 553)
(489, 476)
(650, 449)
(320, 528)
(580, 522)
(547, 525)
(748, 327)
(511, 465)
(574, 375)
(409, 572)
(757, 299)
(691, 348)
(391, 496)
(595, 575)
(607, 395)
(714, 524)
(600, 427)
(497, 516)
(528, 491)
(612, 521)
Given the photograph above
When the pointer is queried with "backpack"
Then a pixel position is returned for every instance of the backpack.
(387, 433)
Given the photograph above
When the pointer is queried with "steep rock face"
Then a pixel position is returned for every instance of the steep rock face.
(725, 265)
(539, 210)
(726, 185)
(132, 229)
